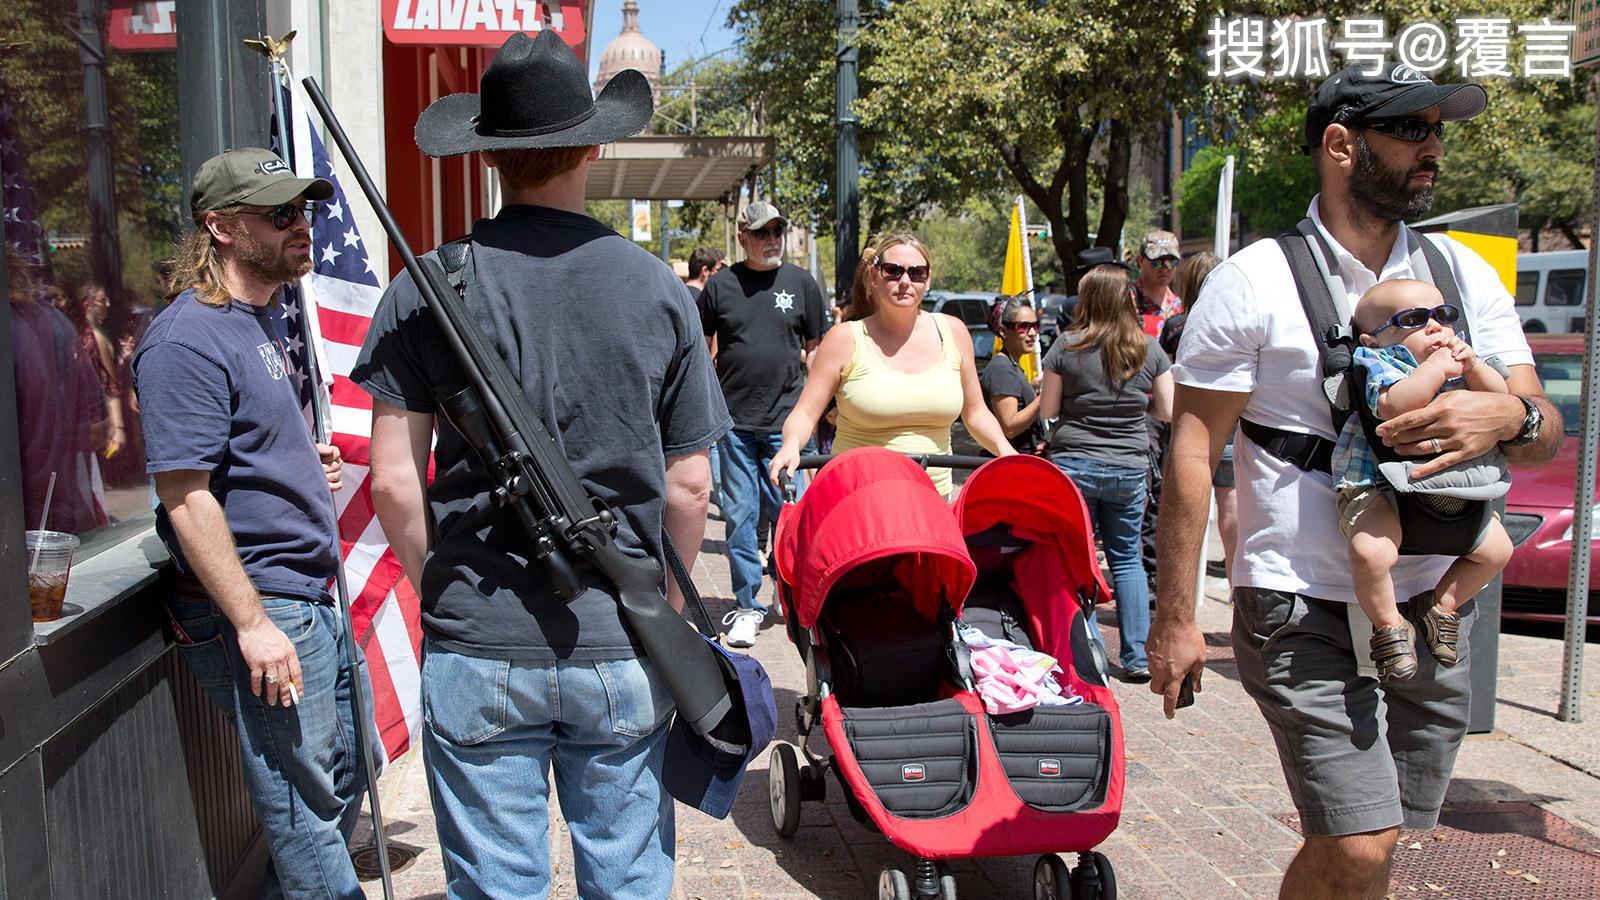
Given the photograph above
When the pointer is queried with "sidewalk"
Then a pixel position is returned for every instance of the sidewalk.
(1205, 808)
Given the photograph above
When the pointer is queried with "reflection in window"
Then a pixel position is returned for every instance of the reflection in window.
(92, 188)
(1527, 288)
(1564, 288)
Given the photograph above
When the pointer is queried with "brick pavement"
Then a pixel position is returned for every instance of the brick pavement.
(1198, 819)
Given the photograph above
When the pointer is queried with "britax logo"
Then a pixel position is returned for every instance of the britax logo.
(913, 772)
(1050, 768)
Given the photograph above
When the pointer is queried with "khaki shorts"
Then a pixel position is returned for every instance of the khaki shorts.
(1353, 501)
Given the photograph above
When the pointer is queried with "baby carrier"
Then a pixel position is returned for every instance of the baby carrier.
(1443, 514)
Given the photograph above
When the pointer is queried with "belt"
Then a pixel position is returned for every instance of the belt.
(1307, 452)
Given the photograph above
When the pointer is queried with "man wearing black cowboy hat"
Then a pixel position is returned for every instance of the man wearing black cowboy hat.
(1361, 760)
(517, 684)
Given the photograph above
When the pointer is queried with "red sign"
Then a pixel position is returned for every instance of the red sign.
(480, 23)
(143, 25)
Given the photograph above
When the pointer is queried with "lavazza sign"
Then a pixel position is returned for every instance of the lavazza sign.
(479, 22)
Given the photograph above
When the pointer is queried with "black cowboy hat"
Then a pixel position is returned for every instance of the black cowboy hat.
(534, 94)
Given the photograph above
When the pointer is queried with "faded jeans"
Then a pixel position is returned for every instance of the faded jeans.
(1116, 496)
(300, 762)
(497, 728)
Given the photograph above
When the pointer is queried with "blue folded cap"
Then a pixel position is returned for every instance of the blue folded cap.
(704, 771)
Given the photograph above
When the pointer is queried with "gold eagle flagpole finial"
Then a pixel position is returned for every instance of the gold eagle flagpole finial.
(274, 49)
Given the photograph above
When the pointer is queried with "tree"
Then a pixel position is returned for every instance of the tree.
(1271, 188)
(1052, 96)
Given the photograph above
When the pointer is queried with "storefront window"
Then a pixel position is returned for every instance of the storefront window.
(92, 188)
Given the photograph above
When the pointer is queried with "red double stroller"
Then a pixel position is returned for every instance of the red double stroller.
(876, 573)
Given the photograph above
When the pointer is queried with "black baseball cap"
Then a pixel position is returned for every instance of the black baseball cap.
(1396, 89)
(250, 175)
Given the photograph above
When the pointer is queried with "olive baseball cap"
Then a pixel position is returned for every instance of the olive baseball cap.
(758, 214)
(250, 175)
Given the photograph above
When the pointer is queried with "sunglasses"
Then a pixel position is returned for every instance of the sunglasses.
(893, 271)
(1165, 262)
(1410, 129)
(284, 215)
(1418, 316)
(1022, 326)
(771, 232)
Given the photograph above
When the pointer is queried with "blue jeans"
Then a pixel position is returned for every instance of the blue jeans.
(748, 496)
(1116, 497)
(301, 763)
(716, 476)
(496, 727)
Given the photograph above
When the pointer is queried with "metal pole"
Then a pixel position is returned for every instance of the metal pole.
(1583, 499)
(320, 428)
(102, 188)
(847, 169)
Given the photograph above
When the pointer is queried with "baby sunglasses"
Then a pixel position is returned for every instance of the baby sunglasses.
(1418, 316)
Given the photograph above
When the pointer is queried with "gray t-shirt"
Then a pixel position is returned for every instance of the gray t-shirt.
(1102, 421)
(607, 347)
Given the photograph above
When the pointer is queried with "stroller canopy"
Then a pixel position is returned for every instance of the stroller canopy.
(866, 505)
(1037, 502)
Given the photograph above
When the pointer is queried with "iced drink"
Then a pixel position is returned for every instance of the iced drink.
(49, 564)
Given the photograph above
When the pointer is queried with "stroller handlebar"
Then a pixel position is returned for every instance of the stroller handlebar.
(817, 461)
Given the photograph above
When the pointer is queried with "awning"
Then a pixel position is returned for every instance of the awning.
(676, 167)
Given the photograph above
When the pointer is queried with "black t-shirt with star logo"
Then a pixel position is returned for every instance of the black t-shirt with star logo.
(761, 321)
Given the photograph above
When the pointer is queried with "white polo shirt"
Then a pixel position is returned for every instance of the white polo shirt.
(1249, 334)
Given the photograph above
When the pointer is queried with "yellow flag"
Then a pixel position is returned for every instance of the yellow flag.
(1018, 278)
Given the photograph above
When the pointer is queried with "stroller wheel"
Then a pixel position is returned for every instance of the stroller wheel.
(893, 884)
(1094, 878)
(1051, 880)
(783, 789)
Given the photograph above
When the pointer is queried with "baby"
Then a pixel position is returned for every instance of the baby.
(1411, 354)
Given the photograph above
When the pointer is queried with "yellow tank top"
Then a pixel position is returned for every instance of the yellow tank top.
(910, 412)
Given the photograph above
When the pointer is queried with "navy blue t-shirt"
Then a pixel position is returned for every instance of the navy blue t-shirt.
(216, 394)
(602, 338)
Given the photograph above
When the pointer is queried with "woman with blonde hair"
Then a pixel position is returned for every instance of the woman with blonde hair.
(1102, 380)
(900, 375)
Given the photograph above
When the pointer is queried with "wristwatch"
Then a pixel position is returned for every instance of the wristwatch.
(1530, 425)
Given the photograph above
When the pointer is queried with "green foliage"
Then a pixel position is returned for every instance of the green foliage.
(42, 77)
(1270, 194)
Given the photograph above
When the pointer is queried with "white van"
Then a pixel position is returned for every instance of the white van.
(1551, 291)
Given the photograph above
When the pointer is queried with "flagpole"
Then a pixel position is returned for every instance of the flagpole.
(321, 428)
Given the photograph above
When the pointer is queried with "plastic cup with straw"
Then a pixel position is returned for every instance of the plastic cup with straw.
(50, 563)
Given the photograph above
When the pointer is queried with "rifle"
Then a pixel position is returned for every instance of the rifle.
(529, 475)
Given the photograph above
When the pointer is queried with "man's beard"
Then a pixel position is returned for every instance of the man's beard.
(267, 263)
(773, 257)
(1383, 192)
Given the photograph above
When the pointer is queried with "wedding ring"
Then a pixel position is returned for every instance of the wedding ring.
(1436, 447)
(272, 679)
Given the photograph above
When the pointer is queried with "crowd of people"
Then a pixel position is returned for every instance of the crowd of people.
(716, 392)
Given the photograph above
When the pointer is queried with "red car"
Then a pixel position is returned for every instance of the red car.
(1539, 507)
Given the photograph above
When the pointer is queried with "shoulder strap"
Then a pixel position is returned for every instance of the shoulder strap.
(1430, 264)
(1328, 327)
(454, 256)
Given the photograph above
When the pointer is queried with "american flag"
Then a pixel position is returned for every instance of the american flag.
(335, 303)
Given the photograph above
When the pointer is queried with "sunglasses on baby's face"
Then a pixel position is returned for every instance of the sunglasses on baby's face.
(893, 271)
(284, 215)
(1418, 316)
(1410, 129)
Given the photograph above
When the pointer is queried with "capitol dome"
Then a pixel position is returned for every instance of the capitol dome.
(630, 50)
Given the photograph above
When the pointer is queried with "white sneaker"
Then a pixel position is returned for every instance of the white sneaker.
(743, 625)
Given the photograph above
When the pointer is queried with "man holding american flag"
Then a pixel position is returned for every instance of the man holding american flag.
(248, 522)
